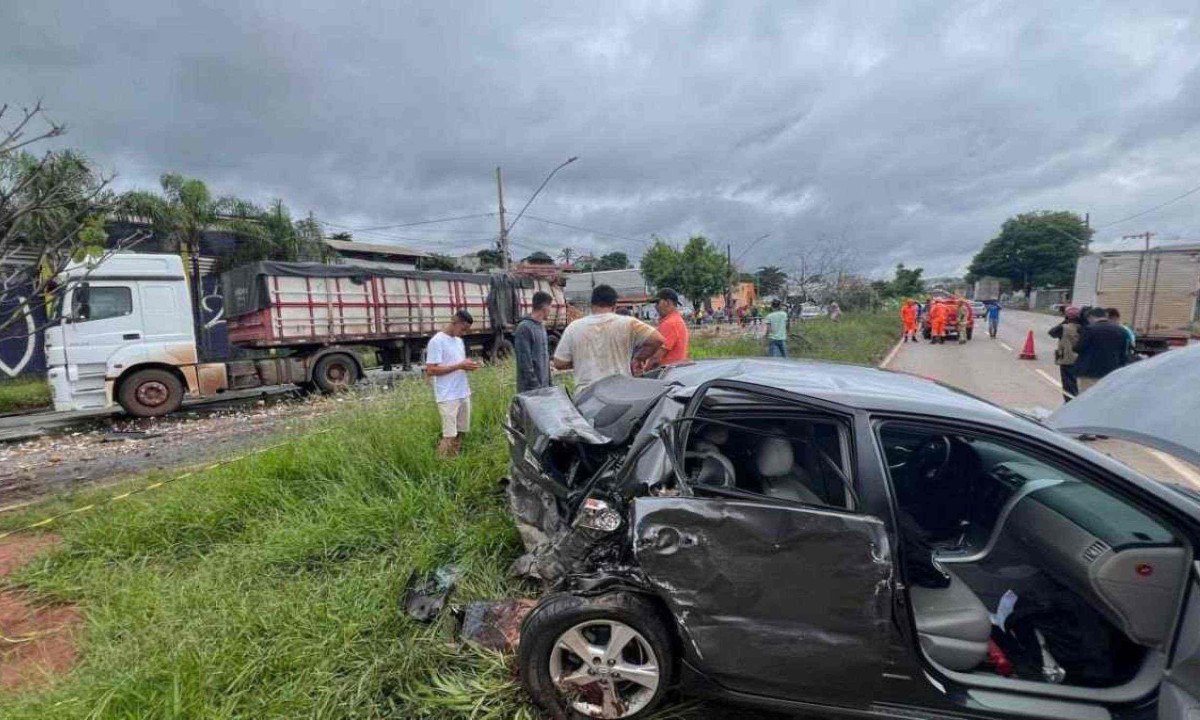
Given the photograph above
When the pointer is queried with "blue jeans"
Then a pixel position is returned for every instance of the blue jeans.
(777, 348)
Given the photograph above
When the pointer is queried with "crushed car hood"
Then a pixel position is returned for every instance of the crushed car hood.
(1154, 402)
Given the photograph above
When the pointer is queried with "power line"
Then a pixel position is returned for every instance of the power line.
(1147, 212)
(587, 230)
(408, 224)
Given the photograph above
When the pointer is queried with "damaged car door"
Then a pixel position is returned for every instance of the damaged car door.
(772, 598)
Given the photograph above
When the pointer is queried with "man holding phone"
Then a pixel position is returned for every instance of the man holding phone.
(446, 362)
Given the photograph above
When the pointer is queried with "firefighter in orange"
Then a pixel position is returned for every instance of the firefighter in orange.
(938, 312)
(908, 314)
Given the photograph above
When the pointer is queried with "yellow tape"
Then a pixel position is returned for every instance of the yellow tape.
(151, 486)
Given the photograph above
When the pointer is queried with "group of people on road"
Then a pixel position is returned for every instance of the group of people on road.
(943, 314)
(1091, 344)
(595, 346)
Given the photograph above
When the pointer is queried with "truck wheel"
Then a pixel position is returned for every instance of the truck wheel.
(608, 656)
(150, 393)
(926, 333)
(970, 332)
(552, 342)
(334, 373)
(500, 349)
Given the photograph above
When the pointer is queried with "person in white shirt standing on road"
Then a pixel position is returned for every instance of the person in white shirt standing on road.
(605, 343)
(446, 362)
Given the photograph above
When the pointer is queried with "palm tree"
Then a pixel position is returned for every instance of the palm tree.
(566, 254)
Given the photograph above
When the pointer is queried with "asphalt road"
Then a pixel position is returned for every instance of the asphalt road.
(991, 369)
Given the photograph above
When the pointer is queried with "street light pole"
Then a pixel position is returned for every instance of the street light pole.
(504, 231)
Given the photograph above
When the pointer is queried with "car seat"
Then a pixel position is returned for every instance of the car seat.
(780, 475)
(952, 623)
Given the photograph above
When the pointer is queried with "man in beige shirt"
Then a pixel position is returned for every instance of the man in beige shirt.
(605, 343)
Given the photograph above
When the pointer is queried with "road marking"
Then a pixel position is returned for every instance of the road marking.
(891, 356)
(1004, 345)
(1191, 475)
(1048, 377)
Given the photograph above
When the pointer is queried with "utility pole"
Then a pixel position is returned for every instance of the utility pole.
(1140, 236)
(503, 243)
(1087, 225)
(729, 280)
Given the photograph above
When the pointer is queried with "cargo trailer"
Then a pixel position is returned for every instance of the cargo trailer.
(127, 335)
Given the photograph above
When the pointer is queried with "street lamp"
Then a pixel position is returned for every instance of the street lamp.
(504, 230)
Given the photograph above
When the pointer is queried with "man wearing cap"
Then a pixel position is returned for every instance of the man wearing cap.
(446, 362)
(672, 328)
(1067, 333)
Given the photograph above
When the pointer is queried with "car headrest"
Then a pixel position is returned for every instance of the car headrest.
(774, 457)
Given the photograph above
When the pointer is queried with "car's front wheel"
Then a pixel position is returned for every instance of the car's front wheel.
(596, 657)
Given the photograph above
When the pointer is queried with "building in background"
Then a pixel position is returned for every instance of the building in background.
(744, 295)
(396, 257)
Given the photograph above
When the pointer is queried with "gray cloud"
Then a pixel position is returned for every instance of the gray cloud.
(909, 131)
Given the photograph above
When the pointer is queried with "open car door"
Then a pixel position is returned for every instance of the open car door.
(773, 598)
(1179, 698)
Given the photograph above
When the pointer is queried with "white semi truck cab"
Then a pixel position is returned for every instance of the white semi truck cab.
(126, 335)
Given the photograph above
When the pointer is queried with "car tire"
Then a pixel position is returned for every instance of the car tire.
(335, 372)
(543, 652)
(150, 393)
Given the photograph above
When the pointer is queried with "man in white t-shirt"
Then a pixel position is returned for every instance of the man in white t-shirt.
(605, 343)
(446, 362)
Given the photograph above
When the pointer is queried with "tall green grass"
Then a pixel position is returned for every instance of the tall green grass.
(23, 393)
(272, 587)
(863, 338)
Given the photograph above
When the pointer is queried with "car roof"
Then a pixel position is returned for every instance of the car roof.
(854, 386)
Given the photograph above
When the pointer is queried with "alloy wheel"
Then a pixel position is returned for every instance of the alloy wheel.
(604, 669)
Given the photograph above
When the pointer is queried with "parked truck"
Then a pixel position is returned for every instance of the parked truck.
(126, 333)
(1156, 291)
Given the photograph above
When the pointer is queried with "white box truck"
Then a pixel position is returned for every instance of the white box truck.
(1157, 291)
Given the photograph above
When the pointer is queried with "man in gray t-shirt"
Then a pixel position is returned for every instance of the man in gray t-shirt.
(777, 327)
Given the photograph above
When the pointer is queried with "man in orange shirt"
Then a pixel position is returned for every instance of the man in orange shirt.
(673, 329)
(908, 314)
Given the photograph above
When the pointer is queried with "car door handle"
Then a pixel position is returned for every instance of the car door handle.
(131, 336)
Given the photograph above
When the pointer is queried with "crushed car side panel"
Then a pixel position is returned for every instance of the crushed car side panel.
(770, 598)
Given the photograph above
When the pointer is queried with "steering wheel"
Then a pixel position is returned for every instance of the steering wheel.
(930, 459)
(710, 459)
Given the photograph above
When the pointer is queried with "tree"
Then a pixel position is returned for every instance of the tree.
(489, 259)
(52, 211)
(698, 270)
(437, 261)
(771, 280)
(566, 254)
(1033, 249)
(907, 282)
(342, 236)
(537, 257)
(612, 261)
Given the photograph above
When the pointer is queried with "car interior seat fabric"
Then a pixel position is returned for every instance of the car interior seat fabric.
(952, 623)
(781, 476)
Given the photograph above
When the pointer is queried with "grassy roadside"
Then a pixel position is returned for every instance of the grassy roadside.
(271, 587)
(23, 393)
(856, 338)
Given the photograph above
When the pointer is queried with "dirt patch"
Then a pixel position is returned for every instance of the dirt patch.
(37, 641)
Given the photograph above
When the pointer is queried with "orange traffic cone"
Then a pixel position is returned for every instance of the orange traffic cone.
(1027, 352)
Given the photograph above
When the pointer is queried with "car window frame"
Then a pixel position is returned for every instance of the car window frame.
(842, 416)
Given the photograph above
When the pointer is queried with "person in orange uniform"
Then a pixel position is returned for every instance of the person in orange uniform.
(908, 314)
(937, 321)
(673, 329)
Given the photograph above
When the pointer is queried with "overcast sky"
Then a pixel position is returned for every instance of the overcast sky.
(909, 130)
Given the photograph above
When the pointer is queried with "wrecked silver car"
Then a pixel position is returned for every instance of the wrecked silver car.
(840, 539)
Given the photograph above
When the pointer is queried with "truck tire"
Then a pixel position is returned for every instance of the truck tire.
(552, 342)
(150, 393)
(970, 332)
(926, 333)
(335, 372)
(561, 682)
(500, 349)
